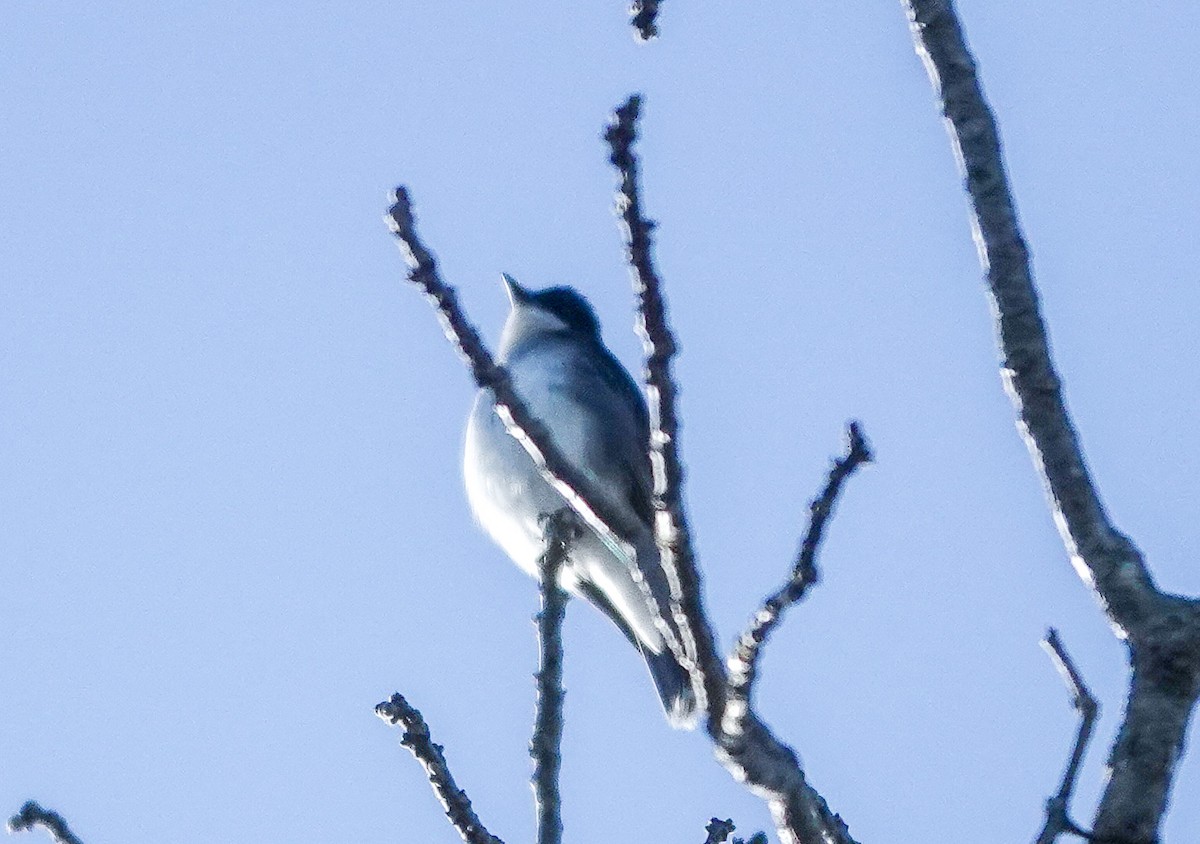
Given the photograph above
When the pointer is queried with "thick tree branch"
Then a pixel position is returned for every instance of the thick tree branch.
(32, 815)
(1104, 557)
(643, 14)
(545, 748)
(754, 756)
(1163, 631)
(743, 662)
(1058, 807)
(454, 800)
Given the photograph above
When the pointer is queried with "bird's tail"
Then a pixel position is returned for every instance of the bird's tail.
(674, 689)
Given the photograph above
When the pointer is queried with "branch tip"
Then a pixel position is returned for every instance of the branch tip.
(397, 711)
(643, 15)
(805, 574)
(690, 636)
(1081, 697)
(32, 815)
(859, 449)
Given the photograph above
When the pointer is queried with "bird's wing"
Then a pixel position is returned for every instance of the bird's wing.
(625, 452)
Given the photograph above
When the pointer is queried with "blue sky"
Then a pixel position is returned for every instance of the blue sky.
(231, 518)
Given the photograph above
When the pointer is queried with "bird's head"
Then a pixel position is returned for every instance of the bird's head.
(561, 311)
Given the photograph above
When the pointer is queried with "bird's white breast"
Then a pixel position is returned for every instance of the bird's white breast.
(504, 488)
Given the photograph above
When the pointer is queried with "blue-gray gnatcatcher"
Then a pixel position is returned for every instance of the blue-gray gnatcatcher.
(559, 365)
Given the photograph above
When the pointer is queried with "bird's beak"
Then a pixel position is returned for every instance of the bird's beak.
(516, 293)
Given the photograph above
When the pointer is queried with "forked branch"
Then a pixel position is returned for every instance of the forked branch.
(1162, 631)
(748, 750)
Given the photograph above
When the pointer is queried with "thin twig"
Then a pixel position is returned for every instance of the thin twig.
(1058, 818)
(398, 712)
(519, 421)
(671, 531)
(1163, 631)
(32, 815)
(643, 15)
(756, 756)
(743, 663)
(546, 747)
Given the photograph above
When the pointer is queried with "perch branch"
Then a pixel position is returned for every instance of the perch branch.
(1162, 631)
(33, 815)
(643, 14)
(454, 800)
(671, 531)
(756, 756)
(1058, 818)
(546, 745)
(743, 662)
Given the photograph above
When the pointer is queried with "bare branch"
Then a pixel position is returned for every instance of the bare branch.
(1162, 631)
(753, 756)
(454, 800)
(1058, 819)
(772, 770)
(671, 531)
(571, 484)
(546, 746)
(1105, 558)
(32, 815)
(743, 662)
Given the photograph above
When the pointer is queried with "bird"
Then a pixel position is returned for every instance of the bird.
(552, 349)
